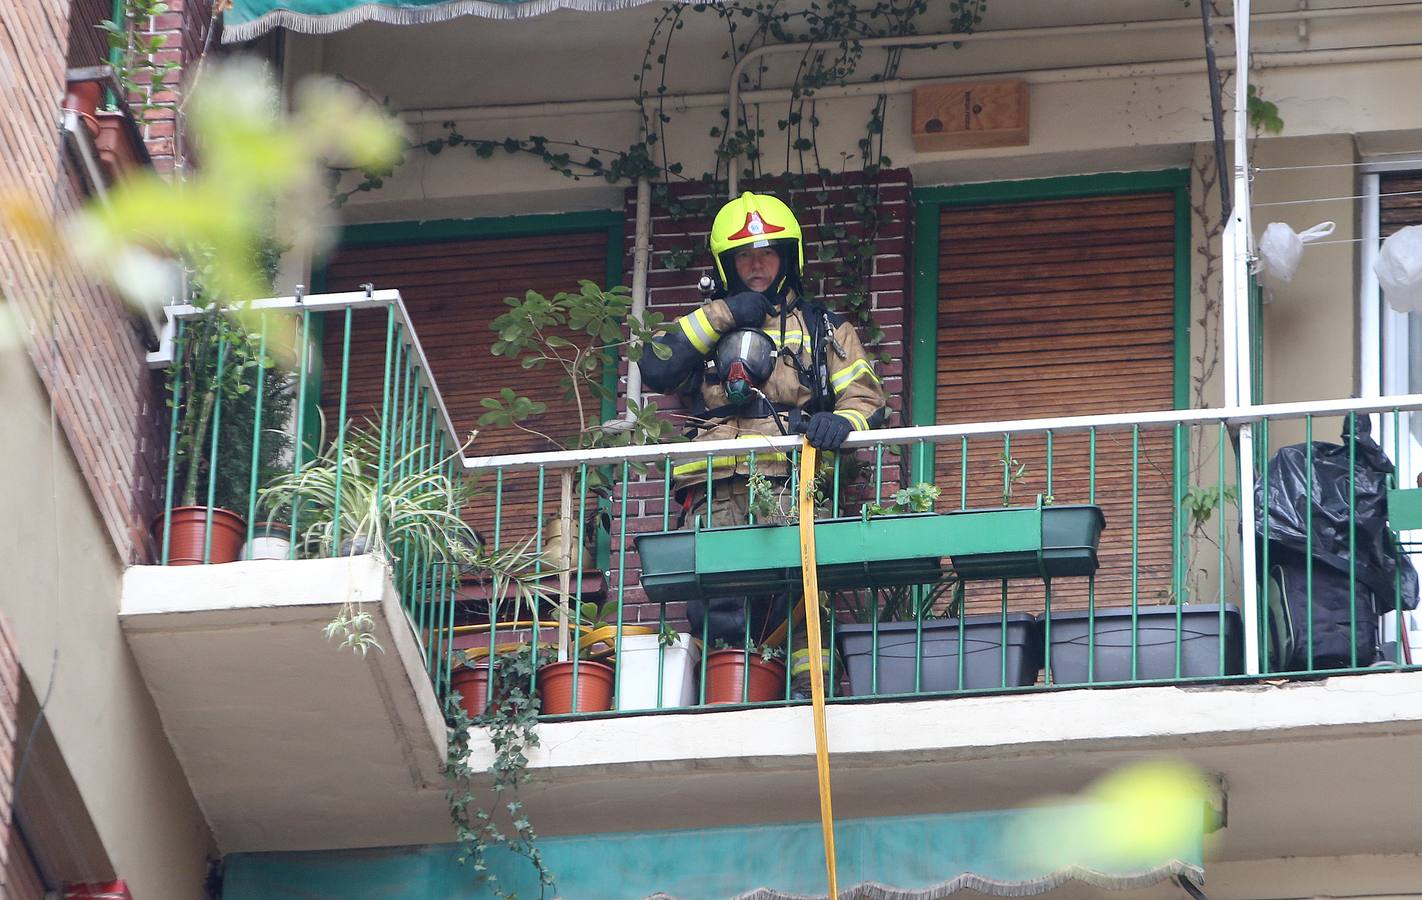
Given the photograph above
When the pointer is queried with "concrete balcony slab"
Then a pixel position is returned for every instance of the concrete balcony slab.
(290, 742)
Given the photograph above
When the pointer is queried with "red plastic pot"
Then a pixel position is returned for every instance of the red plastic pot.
(189, 535)
(727, 672)
(555, 687)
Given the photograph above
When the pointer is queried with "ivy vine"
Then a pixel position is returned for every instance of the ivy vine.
(510, 719)
(833, 32)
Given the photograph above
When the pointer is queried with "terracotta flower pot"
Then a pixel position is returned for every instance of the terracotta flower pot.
(83, 98)
(117, 143)
(472, 683)
(555, 687)
(185, 547)
(726, 673)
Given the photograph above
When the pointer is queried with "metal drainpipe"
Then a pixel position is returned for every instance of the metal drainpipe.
(932, 40)
(641, 262)
(120, 7)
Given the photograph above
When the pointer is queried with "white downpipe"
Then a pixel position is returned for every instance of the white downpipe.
(641, 262)
(1237, 343)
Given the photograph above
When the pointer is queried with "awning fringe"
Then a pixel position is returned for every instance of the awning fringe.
(993, 887)
(306, 23)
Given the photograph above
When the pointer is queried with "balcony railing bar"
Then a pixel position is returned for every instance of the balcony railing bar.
(938, 434)
(350, 300)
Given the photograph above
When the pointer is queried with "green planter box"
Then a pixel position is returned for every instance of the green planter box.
(748, 559)
(883, 551)
(1070, 536)
(1404, 508)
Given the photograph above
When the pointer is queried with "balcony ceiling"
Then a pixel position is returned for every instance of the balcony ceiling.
(569, 55)
(288, 741)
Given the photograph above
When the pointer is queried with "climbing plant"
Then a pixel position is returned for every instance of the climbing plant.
(510, 721)
(778, 151)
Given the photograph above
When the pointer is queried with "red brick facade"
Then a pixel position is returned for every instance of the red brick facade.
(87, 347)
(9, 740)
(185, 26)
(672, 292)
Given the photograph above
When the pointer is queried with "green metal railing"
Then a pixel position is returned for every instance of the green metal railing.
(981, 595)
(377, 466)
(1101, 550)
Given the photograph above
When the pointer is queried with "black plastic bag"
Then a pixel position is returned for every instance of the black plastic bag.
(1290, 515)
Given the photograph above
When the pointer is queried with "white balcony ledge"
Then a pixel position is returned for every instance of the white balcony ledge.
(1277, 747)
(288, 741)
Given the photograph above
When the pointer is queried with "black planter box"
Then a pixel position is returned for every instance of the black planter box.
(1070, 536)
(1155, 643)
(982, 657)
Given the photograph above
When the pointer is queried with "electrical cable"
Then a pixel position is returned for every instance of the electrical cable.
(1332, 199)
(1392, 159)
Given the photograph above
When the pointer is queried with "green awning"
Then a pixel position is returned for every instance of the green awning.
(249, 18)
(1003, 853)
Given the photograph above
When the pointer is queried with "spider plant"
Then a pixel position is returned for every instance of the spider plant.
(407, 511)
(346, 502)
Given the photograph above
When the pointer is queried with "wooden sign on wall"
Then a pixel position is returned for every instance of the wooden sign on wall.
(970, 115)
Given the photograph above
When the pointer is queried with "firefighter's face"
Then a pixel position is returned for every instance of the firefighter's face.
(758, 267)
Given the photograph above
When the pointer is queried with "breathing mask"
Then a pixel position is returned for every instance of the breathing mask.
(745, 360)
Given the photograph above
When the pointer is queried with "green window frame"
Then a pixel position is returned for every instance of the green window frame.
(923, 359)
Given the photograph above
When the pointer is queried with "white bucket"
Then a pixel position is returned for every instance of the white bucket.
(637, 657)
(268, 542)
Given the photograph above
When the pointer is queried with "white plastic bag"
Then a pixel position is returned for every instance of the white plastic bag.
(1399, 269)
(1281, 248)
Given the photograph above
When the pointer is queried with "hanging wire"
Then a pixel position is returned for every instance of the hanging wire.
(1400, 160)
(1331, 199)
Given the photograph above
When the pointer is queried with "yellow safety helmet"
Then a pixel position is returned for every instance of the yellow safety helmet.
(757, 220)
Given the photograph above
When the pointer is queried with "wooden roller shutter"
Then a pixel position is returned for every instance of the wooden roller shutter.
(453, 291)
(1400, 200)
(1061, 308)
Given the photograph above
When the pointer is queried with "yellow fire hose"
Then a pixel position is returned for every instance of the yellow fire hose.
(811, 600)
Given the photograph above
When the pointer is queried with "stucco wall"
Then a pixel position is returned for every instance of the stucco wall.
(59, 587)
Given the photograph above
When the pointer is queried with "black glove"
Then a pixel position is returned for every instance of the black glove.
(827, 431)
(749, 308)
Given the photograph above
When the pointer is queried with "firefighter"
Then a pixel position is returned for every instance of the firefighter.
(764, 360)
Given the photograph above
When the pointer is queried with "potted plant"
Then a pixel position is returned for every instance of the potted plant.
(218, 374)
(578, 334)
(905, 543)
(750, 674)
(1154, 641)
(343, 506)
(270, 540)
(907, 639)
(582, 683)
(657, 671)
(515, 579)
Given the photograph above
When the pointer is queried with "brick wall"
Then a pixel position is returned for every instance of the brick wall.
(819, 208)
(85, 344)
(9, 738)
(185, 26)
